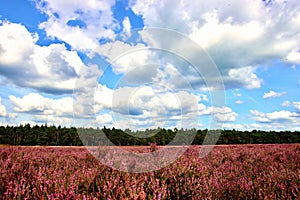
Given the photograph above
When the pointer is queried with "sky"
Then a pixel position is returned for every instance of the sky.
(148, 64)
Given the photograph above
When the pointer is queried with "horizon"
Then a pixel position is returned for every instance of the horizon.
(147, 129)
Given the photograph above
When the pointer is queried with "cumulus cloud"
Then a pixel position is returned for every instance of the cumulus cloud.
(276, 116)
(263, 126)
(286, 103)
(296, 105)
(235, 126)
(141, 64)
(234, 38)
(239, 102)
(16, 43)
(126, 25)
(56, 120)
(272, 94)
(33, 108)
(294, 57)
(240, 33)
(237, 94)
(223, 114)
(234, 34)
(50, 69)
(277, 120)
(149, 106)
(243, 77)
(187, 58)
(166, 14)
(116, 49)
(125, 57)
(37, 104)
(3, 112)
(96, 16)
(138, 100)
(104, 119)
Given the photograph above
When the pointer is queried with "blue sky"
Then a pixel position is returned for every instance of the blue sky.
(144, 64)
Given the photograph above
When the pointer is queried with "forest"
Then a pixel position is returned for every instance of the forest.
(46, 135)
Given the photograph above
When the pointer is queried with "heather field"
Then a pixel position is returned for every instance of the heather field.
(228, 172)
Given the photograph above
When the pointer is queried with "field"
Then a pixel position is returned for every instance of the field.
(228, 172)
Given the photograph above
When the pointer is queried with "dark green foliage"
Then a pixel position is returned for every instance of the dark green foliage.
(61, 136)
(39, 135)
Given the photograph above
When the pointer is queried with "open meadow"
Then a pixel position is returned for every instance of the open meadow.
(228, 172)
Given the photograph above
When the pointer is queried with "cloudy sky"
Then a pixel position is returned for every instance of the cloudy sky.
(147, 64)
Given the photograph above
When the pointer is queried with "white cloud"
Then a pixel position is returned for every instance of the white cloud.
(127, 25)
(32, 123)
(222, 114)
(34, 108)
(276, 116)
(104, 119)
(144, 98)
(177, 77)
(123, 56)
(244, 77)
(166, 14)
(96, 16)
(56, 120)
(286, 103)
(297, 105)
(235, 126)
(36, 104)
(131, 61)
(103, 98)
(113, 50)
(4, 123)
(273, 94)
(234, 34)
(51, 69)
(69, 35)
(294, 57)
(263, 126)
(16, 43)
(240, 33)
(203, 97)
(3, 112)
(141, 65)
(236, 93)
(147, 105)
(239, 102)
(229, 117)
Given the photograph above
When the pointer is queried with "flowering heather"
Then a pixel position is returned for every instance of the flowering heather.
(228, 172)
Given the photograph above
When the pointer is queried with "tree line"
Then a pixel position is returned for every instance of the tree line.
(45, 135)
